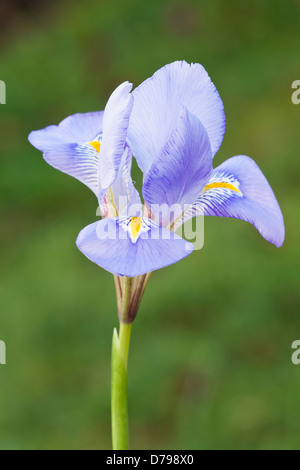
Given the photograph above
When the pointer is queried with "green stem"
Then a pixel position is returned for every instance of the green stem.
(124, 338)
(119, 414)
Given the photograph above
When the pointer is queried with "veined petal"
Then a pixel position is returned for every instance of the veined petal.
(157, 104)
(78, 160)
(127, 247)
(239, 189)
(69, 147)
(183, 168)
(115, 125)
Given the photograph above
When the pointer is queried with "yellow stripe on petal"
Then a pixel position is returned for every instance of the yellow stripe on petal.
(135, 227)
(96, 145)
(220, 185)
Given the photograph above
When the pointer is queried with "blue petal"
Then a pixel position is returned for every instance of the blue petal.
(239, 189)
(157, 104)
(78, 160)
(77, 128)
(183, 167)
(115, 125)
(108, 245)
(66, 146)
(83, 127)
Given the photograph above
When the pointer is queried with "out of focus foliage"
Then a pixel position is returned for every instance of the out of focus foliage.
(210, 363)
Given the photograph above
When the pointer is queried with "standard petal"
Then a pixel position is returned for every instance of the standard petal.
(107, 244)
(66, 147)
(239, 189)
(183, 167)
(158, 101)
(115, 125)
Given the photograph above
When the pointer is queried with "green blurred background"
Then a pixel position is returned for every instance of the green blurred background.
(210, 362)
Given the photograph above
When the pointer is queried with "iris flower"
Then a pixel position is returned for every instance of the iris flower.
(173, 124)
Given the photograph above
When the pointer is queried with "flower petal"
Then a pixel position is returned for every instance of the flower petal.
(66, 147)
(158, 101)
(239, 189)
(83, 127)
(115, 125)
(126, 196)
(109, 245)
(77, 128)
(183, 167)
(78, 160)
